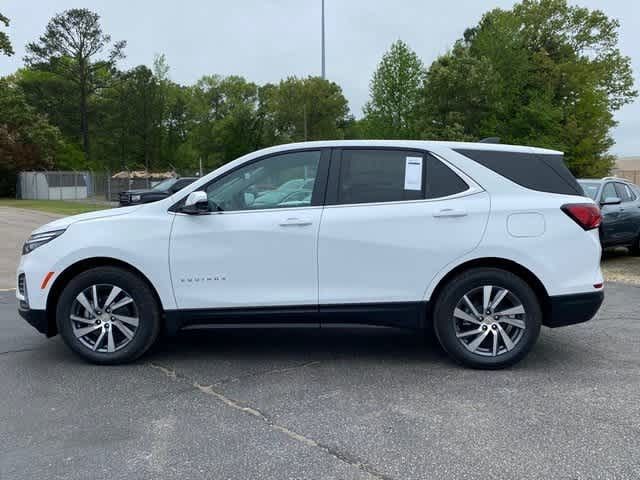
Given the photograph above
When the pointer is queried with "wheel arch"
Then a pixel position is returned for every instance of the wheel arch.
(82, 266)
(503, 264)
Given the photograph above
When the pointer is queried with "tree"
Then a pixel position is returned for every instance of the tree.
(75, 48)
(396, 91)
(27, 139)
(130, 113)
(299, 109)
(223, 118)
(543, 73)
(5, 44)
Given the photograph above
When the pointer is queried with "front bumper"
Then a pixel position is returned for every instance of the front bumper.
(36, 318)
(574, 308)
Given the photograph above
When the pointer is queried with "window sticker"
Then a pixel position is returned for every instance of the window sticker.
(413, 173)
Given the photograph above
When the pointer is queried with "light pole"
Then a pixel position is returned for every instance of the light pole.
(322, 29)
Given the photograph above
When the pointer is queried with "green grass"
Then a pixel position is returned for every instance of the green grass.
(61, 207)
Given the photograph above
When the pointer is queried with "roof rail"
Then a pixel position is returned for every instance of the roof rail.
(620, 179)
(490, 140)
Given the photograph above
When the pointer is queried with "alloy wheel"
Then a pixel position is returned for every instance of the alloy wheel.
(104, 318)
(489, 320)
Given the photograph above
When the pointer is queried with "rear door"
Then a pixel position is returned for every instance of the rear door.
(393, 219)
(628, 212)
(611, 228)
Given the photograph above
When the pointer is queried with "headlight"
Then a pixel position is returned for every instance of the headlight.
(135, 198)
(38, 239)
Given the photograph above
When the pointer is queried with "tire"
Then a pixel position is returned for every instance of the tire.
(458, 328)
(108, 337)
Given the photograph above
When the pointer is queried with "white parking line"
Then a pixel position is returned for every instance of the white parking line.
(7, 289)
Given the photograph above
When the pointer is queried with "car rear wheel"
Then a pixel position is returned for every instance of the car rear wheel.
(487, 318)
(108, 315)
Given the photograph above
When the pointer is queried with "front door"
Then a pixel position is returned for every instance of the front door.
(258, 247)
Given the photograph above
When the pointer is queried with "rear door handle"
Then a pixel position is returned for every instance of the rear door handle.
(295, 222)
(450, 212)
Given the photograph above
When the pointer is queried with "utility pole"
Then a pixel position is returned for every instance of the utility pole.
(323, 69)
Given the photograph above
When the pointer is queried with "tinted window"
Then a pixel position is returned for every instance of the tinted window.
(624, 192)
(267, 183)
(180, 184)
(590, 189)
(441, 180)
(368, 176)
(545, 173)
(609, 191)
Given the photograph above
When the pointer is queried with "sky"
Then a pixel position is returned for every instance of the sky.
(266, 40)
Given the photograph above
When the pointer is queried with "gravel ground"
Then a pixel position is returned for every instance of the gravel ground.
(619, 266)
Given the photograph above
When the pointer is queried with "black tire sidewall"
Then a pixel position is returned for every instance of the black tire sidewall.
(460, 285)
(148, 311)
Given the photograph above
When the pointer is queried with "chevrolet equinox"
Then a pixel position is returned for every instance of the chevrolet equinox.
(478, 244)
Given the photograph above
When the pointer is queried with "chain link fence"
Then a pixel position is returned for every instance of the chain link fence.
(93, 187)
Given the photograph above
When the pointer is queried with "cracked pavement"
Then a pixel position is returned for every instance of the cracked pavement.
(331, 404)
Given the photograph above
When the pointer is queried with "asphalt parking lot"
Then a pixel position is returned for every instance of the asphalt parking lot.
(330, 404)
(342, 404)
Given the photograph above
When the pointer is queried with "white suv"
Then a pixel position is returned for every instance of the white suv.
(479, 244)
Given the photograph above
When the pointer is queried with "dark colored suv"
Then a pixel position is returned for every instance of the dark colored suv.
(162, 190)
(619, 202)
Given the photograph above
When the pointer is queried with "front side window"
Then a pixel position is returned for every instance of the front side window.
(609, 191)
(280, 181)
(165, 185)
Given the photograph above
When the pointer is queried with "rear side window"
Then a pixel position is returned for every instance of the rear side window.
(545, 173)
(441, 180)
(624, 192)
(368, 176)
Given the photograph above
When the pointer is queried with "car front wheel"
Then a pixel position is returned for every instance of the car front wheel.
(487, 318)
(108, 315)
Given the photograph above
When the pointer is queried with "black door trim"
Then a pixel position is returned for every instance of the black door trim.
(390, 314)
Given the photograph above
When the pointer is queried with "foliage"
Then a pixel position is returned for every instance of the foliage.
(72, 48)
(27, 140)
(299, 109)
(396, 90)
(543, 73)
(5, 43)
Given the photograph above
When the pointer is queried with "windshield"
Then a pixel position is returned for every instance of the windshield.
(165, 184)
(590, 188)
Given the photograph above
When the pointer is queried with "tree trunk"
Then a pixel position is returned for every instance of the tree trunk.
(84, 121)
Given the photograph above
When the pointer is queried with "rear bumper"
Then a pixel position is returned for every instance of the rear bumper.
(36, 318)
(571, 309)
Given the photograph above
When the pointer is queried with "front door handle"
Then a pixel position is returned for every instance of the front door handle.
(450, 212)
(295, 222)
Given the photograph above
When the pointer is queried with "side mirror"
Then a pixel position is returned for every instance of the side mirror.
(196, 203)
(611, 201)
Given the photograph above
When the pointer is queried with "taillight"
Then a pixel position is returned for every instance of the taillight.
(587, 215)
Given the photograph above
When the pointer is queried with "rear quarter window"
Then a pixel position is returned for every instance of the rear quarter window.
(544, 173)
